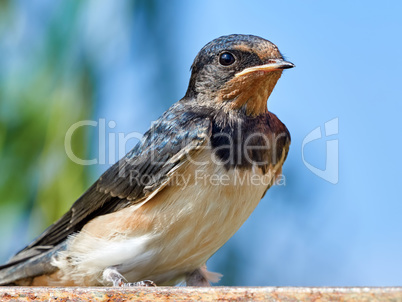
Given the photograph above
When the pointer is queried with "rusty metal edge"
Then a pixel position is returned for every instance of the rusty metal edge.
(200, 294)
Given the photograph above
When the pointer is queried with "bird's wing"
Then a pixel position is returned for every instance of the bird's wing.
(143, 171)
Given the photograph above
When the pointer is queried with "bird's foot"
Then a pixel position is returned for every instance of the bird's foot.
(145, 283)
(202, 277)
(111, 275)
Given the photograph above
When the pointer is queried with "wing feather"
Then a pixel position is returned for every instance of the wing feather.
(142, 172)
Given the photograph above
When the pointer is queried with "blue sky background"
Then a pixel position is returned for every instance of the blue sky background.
(348, 66)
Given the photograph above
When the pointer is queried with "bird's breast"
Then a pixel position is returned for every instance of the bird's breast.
(209, 205)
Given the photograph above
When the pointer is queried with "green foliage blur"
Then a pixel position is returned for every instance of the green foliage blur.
(45, 87)
(50, 76)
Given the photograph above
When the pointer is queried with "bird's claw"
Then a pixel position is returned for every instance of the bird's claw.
(144, 283)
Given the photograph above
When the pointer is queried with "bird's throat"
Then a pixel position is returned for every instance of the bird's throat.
(250, 92)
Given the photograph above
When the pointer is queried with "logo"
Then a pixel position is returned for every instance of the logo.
(331, 171)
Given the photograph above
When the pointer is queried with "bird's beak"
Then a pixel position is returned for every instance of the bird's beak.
(273, 65)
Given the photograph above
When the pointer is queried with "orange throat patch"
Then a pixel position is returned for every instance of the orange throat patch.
(250, 91)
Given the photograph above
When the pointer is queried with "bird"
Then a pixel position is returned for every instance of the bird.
(158, 214)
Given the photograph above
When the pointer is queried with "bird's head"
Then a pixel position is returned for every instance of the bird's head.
(236, 72)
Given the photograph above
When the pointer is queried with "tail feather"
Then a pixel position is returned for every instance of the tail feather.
(28, 267)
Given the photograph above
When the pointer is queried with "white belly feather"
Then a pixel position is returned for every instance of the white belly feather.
(173, 233)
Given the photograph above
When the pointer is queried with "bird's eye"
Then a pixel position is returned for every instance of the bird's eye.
(226, 59)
